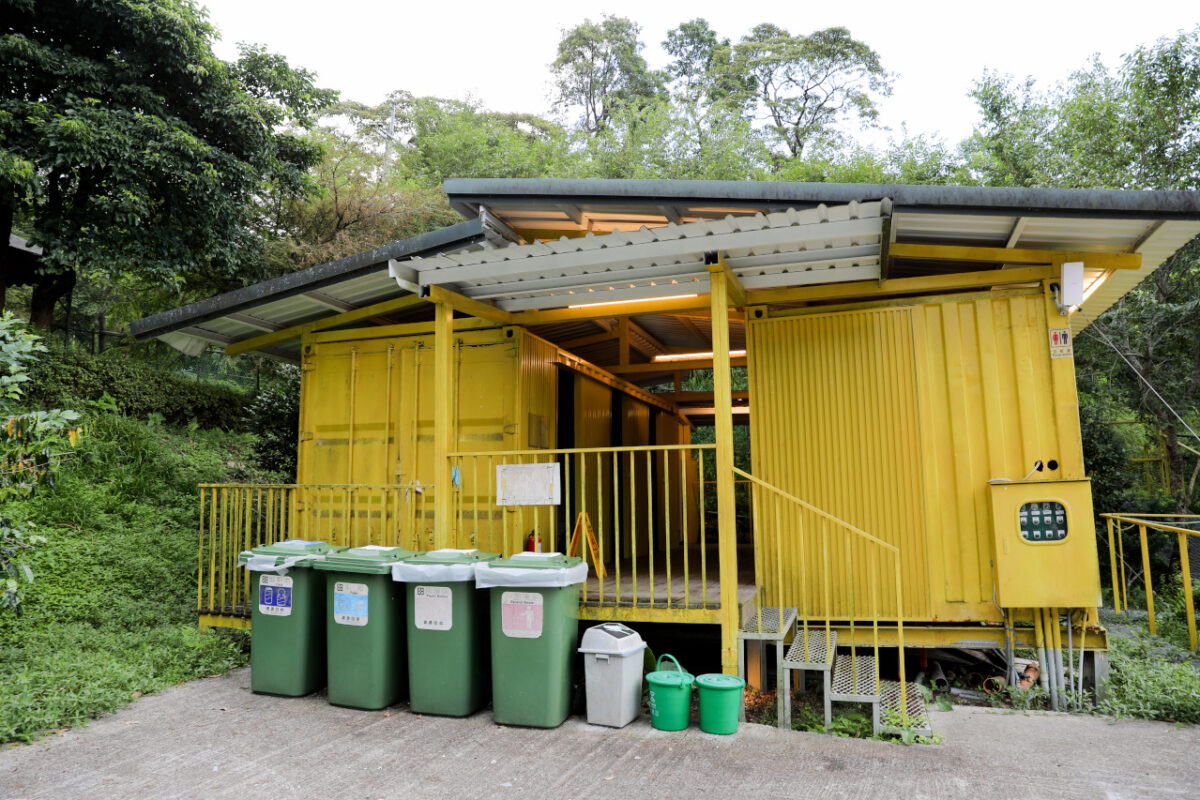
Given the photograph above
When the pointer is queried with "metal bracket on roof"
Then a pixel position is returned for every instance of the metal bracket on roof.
(496, 231)
(573, 212)
(671, 213)
(404, 275)
(887, 238)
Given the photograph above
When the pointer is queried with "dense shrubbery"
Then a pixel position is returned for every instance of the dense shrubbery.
(110, 614)
(71, 378)
(274, 416)
(1152, 679)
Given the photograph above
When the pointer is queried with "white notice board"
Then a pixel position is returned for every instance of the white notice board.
(527, 485)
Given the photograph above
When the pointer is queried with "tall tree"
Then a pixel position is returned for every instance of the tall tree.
(676, 140)
(126, 146)
(362, 199)
(1136, 129)
(702, 67)
(600, 67)
(806, 85)
(461, 139)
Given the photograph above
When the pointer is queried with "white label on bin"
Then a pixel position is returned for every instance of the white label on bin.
(432, 608)
(350, 603)
(521, 615)
(275, 595)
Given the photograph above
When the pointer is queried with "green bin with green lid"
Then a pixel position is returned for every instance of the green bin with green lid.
(720, 702)
(535, 626)
(670, 695)
(449, 659)
(365, 627)
(287, 644)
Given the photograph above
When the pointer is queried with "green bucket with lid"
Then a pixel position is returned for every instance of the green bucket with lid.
(720, 702)
(670, 696)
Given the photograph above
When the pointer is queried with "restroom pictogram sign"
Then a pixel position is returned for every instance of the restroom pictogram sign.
(1060, 343)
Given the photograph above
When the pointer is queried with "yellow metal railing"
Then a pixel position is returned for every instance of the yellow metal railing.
(831, 572)
(237, 517)
(1116, 524)
(645, 505)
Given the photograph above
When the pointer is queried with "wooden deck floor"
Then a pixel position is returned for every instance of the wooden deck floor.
(694, 584)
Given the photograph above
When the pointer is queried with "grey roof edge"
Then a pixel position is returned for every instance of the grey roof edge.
(439, 241)
(464, 192)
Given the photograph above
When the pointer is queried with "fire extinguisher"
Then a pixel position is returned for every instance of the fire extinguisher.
(533, 543)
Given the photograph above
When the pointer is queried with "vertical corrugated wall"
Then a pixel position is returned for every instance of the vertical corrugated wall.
(894, 419)
(344, 413)
(538, 396)
(593, 428)
(993, 402)
(633, 478)
(834, 423)
(367, 407)
(671, 469)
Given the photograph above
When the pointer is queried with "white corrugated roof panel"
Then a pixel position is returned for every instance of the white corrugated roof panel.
(826, 244)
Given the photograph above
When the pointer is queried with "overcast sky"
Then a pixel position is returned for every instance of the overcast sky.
(499, 52)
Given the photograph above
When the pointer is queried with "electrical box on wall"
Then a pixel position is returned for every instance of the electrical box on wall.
(1045, 544)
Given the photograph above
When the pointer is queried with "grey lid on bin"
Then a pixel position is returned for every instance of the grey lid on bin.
(612, 639)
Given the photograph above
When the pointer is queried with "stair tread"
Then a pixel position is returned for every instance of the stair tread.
(819, 649)
(889, 706)
(775, 622)
(845, 668)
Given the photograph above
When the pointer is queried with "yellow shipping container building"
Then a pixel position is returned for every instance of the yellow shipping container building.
(913, 474)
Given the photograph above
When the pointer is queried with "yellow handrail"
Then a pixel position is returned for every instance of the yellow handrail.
(827, 581)
(815, 510)
(240, 516)
(642, 502)
(1121, 592)
(572, 450)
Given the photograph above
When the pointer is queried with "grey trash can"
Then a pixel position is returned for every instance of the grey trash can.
(612, 656)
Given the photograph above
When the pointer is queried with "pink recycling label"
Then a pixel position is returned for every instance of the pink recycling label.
(521, 615)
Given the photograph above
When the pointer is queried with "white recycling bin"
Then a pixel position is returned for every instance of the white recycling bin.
(612, 655)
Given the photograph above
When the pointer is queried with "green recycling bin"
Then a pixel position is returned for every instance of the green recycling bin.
(287, 644)
(365, 627)
(449, 659)
(535, 626)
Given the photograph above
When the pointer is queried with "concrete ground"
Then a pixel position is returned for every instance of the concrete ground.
(215, 739)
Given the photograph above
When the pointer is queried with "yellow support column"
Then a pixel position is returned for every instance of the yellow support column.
(1189, 604)
(443, 413)
(723, 422)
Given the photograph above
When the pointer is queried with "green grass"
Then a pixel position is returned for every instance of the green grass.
(110, 615)
(1151, 678)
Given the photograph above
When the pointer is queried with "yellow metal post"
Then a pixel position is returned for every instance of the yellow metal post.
(1121, 557)
(723, 422)
(443, 411)
(1146, 578)
(1189, 603)
(1112, 563)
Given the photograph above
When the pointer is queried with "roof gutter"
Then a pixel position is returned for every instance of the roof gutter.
(467, 194)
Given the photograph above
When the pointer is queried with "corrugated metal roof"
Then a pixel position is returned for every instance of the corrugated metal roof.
(826, 244)
(572, 205)
(1153, 223)
(310, 294)
(663, 229)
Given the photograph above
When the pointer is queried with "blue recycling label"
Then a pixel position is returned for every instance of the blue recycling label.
(350, 603)
(275, 595)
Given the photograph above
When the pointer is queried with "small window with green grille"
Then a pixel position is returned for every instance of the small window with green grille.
(1043, 522)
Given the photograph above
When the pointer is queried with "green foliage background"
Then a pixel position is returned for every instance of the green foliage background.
(110, 615)
(70, 378)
